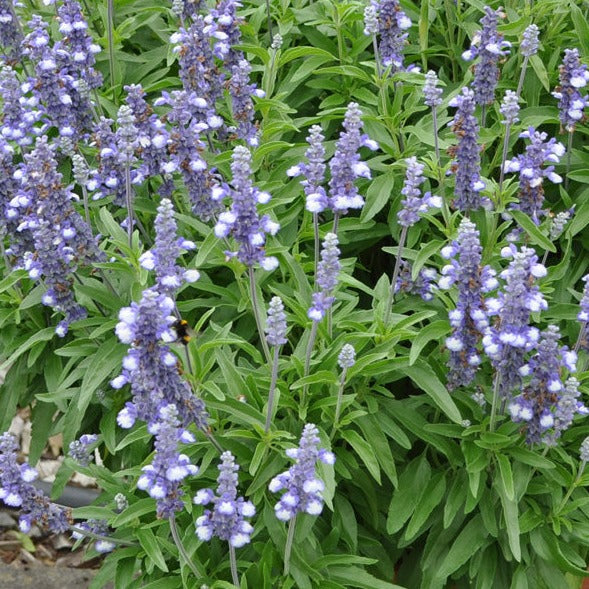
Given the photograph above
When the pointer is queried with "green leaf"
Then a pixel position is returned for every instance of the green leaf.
(468, 542)
(434, 331)
(353, 576)
(425, 378)
(540, 70)
(506, 476)
(378, 195)
(39, 336)
(581, 26)
(530, 458)
(106, 360)
(297, 52)
(152, 548)
(135, 511)
(510, 516)
(430, 499)
(364, 451)
(536, 236)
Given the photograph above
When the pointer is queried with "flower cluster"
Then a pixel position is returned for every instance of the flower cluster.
(80, 450)
(327, 272)
(467, 153)
(162, 478)
(62, 239)
(17, 490)
(547, 403)
(529, 44)
(241, 92)
(11, 36)
(423, 284)
(223, 24)
(583, 315)
(150, 367)
(303, 489)
(571, 103)
(469, 319)
(99, 527)
(414, 203)
(276, 323)
(392, 24)
(345, 166)
(431, 92)
(509, 108)
(243, 221)
(168, 247)
(507, 342)
(489, 46)
(532, 174)
(313, 171)
(347, 357)
(226, 520)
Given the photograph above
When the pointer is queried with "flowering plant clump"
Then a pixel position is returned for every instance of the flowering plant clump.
(225, 223)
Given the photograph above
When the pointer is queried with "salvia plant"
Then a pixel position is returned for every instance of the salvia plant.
(302, 286)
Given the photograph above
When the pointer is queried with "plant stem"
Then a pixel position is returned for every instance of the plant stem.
(569, 154)
(376, 56)
(522, 75)
(110, 17)
(338, 404)
(436, 140)
(504, 155)
(483, 115)
(259, 324)
(335, 223)
(288, 546)
(129, 202)
(213, 441)
(317, 241)
(494, 402)
(176, 536)
(272, 390)
(233, 565)
(391, 298)
(581, 334)
(310, 346)
(94, 536)
(86, 208)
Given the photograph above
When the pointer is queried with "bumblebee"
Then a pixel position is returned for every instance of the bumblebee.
(183, 331)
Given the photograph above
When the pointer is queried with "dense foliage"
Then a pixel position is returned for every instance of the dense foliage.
(308, 280)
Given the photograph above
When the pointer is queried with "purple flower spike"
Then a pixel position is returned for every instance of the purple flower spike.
(241, 102)
(11, 36)
(150, 367)
(168, 247)
(469, 319)
(313, 172)
(571, 103)
(423, 285)
(468, 160)
(414, 204)
(547, 406)
(529, 45)
(303, 489)
(489, 46)
(80, 450)
(431, 92)
(17, 490)
(346, 166)
(327, 272)
(276, 323)
(162, 478)
(507, 343)
(243, 221)
(226, 520)
(392, 24)
(531, 172)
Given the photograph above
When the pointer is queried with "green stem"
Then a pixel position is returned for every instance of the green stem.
(569, 154)
(259, 324)
(522, 75)
(338, 404)
(273, 380)
(494, 402)
(504, 155)
(176, 536)
(376, 56)
(129, 202)
(396, 271)
(94, 536)
(270, 32)
(580, 337)
(110, 17)
(436, 140)
(288, 546)
(86, 207)
(571, 488)
(317, 241)
(233, 565)
(310, 346)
